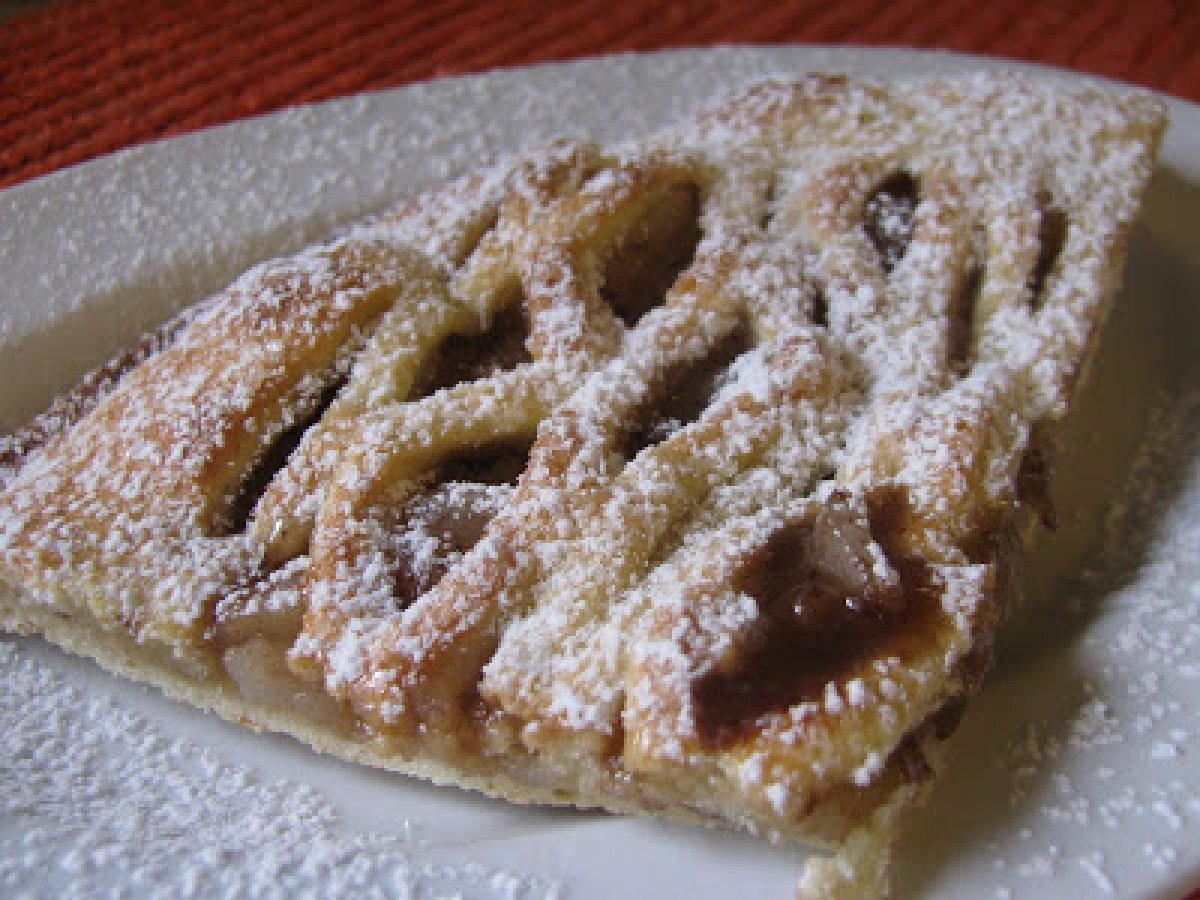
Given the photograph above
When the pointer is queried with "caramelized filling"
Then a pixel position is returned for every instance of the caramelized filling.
(259, 669)
(888, 217)
(253, 628)
(820, 308)
(469, 357)
(1052, 237)
(770, 199)
(685, 393)
(828, 608)
(445, 520)
(256, 481)
(962, 322)
(654, 252)
(498, 463)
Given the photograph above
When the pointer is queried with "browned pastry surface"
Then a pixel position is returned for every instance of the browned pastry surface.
(676, 477)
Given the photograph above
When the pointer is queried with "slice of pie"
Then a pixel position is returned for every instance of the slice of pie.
(680, 478)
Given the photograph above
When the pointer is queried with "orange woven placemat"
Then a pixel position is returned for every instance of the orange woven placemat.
(78, 79)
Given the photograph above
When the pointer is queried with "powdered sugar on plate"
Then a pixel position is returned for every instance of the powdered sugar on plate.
(96, 794)
(1122, 760)
(1091, 744)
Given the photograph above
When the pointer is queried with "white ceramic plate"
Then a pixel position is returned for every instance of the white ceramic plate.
(1076, 772)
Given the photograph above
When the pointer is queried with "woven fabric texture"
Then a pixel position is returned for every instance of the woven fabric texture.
(79, 79)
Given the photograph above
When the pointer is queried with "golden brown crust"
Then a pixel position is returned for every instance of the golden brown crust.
(670, 479)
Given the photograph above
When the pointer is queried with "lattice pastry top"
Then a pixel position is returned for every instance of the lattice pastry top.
(674, 478)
